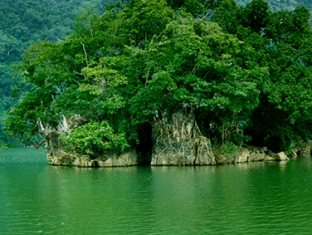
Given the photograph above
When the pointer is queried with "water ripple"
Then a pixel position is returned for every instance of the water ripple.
(232, 199)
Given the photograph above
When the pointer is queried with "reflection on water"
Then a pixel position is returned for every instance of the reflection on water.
(251, 198)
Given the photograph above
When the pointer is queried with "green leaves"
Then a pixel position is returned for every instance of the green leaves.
(194, 70)
(143, 59)
(143, 19)
(95, 137)
(278, 54)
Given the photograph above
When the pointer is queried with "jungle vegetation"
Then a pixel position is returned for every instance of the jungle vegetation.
(244, 71)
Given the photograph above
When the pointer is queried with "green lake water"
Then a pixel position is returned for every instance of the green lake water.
(253, 198)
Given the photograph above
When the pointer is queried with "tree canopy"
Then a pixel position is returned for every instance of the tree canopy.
(245, 73)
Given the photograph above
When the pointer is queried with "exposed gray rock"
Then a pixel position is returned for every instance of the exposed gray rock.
(242, 156)
(293, 154)
(59, 158)
(250, 154)
(256, 154)
(269, 158)
(276, 156)
(281, 157)
(301, 148)
(127, 158)
(221, 159)
(179, 142)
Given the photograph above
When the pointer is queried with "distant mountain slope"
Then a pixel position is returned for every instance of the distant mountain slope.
(287, 5)
(23, 21)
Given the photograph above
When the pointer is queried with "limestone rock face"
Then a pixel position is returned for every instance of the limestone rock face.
(281, 157)
(301, 148)
(242, 156)
(294, 154)
(179, 142)
(127, 158)
(53, 148)
(59, 158)
(251, 154)
(256, 154)
(276, 156)
(56, 155)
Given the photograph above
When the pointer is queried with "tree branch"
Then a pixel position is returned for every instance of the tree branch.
(86, 55)
(39, 142)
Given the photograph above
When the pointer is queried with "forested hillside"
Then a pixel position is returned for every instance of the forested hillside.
(276, 5)
(25, 21)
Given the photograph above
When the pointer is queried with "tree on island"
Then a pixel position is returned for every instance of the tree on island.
(241, 74)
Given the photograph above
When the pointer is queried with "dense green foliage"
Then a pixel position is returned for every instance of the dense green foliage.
(27, 21)
(280, 40)
(245, 72)
(94, 138)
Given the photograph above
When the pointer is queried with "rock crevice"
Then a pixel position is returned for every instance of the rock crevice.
(176, 142)
(180, 142)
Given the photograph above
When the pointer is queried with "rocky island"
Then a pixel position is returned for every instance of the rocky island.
(169, 83)
(176, 148)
